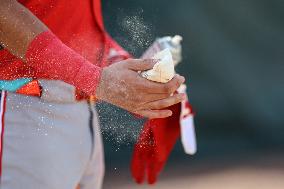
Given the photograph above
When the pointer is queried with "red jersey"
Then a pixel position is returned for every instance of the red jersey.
(78, 24)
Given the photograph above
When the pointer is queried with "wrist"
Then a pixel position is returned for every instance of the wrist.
(88, 78)
(99, 93)
(51, 59)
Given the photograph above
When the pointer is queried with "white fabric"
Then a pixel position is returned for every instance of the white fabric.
(94, 174)
(57, 91)
(188, 135)
(48, 145)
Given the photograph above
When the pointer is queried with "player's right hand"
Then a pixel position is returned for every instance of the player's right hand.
(121, 85)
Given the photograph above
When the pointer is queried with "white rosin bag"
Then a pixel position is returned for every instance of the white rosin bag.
(163, 72)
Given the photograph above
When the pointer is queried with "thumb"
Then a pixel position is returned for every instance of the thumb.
(141, 64)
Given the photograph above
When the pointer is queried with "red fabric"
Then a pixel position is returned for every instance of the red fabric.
(3, 109)
(78, 24)
(51, 59)
(154, 146)
(12, 67)
(116, 52)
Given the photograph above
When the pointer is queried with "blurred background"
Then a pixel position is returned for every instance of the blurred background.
(234, 64)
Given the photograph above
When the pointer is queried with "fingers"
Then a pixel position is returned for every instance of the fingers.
(152, 110)
(174, 84)
(154, 114)
(167, 102)
(167, 88)
(154, 97)
(141, 64)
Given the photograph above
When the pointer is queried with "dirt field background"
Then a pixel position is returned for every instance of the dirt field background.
(261, 171)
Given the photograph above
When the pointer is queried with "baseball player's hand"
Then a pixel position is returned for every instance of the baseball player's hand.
(122, 86)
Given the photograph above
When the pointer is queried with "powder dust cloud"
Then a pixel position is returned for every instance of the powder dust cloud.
(117, 125)
(134, 33)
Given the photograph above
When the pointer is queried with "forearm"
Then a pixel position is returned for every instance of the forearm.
(18, 27)
(27, 38)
